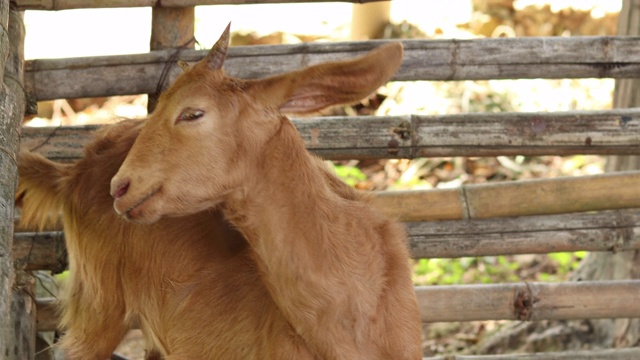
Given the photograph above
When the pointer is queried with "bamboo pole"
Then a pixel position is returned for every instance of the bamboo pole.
(368, 20)
(515, 301)
(7, 183)
(171, 28)
(4, 35)
(478, 59)
(612, 191)
(92, 4)
(374, 137)
(530, 301)
(17, 311)
(612, 231)
(516, 198)
(609, 354)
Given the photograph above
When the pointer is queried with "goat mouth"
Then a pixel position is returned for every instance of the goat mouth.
(128, 212)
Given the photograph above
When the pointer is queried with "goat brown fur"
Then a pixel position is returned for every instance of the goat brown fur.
(190, 282)
(336, 267)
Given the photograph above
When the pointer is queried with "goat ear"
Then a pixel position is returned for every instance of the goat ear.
(217, 54)
(320, 86)
(38, 192)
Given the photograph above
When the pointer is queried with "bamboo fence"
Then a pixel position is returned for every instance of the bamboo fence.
(478, 59)
(475, 220)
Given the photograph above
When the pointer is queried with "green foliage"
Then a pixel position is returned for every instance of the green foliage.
(349, 174)
(493, 269)
(62, 277)
(564, 263)
(486, 269)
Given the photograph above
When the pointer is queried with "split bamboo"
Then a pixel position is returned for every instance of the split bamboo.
(92, 4)
(477, 59)
(375, 137)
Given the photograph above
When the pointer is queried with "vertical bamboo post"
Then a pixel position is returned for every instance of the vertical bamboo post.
(624, 265)
(368, 20)
(17, 309)
(171, 28)
(6, 263)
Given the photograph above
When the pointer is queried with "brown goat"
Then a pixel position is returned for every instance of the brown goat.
(189, 282)
(335, 266)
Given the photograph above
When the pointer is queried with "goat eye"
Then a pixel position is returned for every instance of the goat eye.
(190, 115)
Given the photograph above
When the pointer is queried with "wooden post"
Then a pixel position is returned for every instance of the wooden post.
(6, 230)
(17, 309)
(170, 28)
(368, 20)
(605, 266)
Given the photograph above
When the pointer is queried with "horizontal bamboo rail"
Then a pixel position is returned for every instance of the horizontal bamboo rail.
(92, 4)
(515, 301)
(606, 231)
(515, 198)
(40, 251)
(614, 354)
(373, 137)
(530, 301)
(478, 59)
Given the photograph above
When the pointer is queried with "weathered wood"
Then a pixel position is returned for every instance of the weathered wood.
(487, 134)
(17, 311)
(4, 35)
(530, 301)
(605, 266)
(47, 314)
(7, 181)
(479, 59)
(23, 314)
(514, 301)
(40, 251)
(610, 354)
(612, 231)
(171, 28)
(91, 4)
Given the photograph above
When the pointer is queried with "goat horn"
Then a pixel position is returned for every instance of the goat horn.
(183, 65)
(218, 52)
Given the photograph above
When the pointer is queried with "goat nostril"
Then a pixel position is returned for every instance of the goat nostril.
(121, 190)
